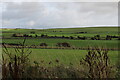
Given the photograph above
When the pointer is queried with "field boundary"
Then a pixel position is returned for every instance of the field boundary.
(72, 48)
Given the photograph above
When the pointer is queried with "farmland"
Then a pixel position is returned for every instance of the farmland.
(54, 47)
(64, 35)
(103, 31)
(70, 35)
(76, 43)
(64, 56)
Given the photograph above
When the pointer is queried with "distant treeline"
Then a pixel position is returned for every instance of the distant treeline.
(63, 44)
(96, 37)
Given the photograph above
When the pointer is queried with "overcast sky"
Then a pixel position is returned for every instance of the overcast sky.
(58, 14)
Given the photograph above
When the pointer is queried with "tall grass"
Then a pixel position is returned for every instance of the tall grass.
(14, 65)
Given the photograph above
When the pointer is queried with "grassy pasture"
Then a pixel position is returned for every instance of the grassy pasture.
(64, 56)
(103, 31)
(76, 43)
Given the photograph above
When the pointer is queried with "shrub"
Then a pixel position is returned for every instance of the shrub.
(14, 35)
(36, 35)
(97, 63)
(16, 64)
(71, 37)
(58, 71)
(108, 37)
(97, 37)
(44, 36)
(32, 32)
(64, 44)
(43, 44)
(17, 35)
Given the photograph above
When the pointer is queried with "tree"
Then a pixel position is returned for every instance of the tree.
(32, 32)
(17, 35)
(108, 37)
(44, 36)
(43, 44)
(14, 35)
(97, 37)
(64, 44)
(36, 35)
(71, 37)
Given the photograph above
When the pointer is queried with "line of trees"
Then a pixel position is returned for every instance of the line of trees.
(62, 44)
(96, 37)
(21, 35)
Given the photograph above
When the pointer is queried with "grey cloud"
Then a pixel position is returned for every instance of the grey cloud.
(23, 10)
(63, 14)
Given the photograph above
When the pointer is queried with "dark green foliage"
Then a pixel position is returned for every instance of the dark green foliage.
(36, 35)
(96, 37)
(32, 32)
(71, 37)
(21, 35)
(108, 37)
(17, 35)
(64, 44)
(43, 36)
(43, 44)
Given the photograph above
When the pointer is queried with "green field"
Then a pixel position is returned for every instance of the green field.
(103, 31)
(74, 43)
(90, 32)
(64, 56)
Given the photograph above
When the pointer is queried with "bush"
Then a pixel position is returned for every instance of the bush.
(17, 35)
(44, 36)
(97, 64)
(71, 37)
(32, 32)
(43, 44)
(36, 35)
(64, 44)
(108, 37)
(14, 66)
